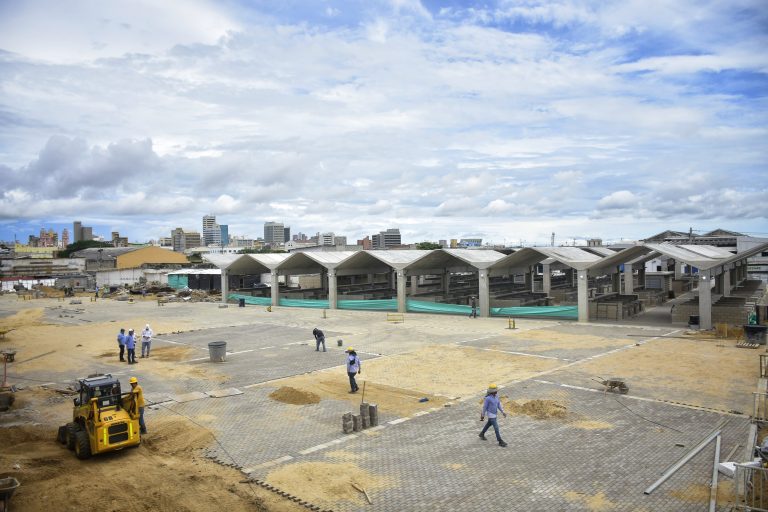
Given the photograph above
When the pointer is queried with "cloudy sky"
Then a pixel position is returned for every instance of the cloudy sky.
(506, 120)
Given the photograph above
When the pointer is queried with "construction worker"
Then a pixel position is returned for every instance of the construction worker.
(353, 368)
(130, 344)
(319, 338)
(146, 340)
(137, 397)
(492, 405)
(473, 304)
(121, 343)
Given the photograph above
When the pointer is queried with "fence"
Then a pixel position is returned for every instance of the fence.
(750, 488)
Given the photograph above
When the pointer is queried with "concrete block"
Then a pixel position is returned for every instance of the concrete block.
(365, 421)
(727, 468)
(357, 422)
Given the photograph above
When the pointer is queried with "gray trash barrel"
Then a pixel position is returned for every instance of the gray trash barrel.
(241, 302)
(218, 351)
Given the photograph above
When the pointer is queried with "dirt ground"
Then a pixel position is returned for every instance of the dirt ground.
(167, 472)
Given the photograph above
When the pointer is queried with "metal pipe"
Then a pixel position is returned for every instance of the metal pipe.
(713, 485)
(671, 471)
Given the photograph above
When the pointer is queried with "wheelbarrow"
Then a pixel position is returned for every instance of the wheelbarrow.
(7, 487)
(613, 384)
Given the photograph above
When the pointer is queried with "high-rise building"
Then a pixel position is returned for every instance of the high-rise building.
(365, 243)
(211, 231)
(224, 234)
(177, 237)
(274, 233)
(286, 233)
(81, 233)
(65, 237)
(326, 239)
(386, 239)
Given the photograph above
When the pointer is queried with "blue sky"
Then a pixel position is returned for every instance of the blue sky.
(504, 120)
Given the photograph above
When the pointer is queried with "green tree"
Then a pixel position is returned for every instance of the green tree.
(428, 245)
(82, 244)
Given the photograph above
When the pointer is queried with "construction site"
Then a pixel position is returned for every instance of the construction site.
(243, 413)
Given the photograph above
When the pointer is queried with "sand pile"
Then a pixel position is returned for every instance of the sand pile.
(328, 484)
(289, 395)
(24, 318)
(539, 409)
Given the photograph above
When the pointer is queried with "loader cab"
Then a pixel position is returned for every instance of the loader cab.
(105, 388)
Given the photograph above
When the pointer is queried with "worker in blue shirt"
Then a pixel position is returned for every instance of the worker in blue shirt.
(492, 405)
(353, 368)
(121, 343)
(130, 344)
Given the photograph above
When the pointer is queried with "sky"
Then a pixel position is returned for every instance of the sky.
(504, 120)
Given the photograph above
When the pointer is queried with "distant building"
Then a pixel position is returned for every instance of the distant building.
(594, 242)
(286, 233)
(326, 239)
(471, 242)
(119, 241)
(81, 233)
(211, 230)
(224, 234)
(454, 243)
(274, 233)
(365, 243)
(443, 244)
(300, 237)
(386, 239)
(183, 240)
(64, 237)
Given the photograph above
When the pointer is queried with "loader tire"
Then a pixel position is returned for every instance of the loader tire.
(82, 445)
(72, 430)
(61, 435)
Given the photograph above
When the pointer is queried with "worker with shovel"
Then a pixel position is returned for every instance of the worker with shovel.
(492, 405)
(319, 339)
(353, 368)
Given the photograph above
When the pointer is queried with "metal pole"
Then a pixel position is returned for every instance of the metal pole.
(713, 485)
(671, 471)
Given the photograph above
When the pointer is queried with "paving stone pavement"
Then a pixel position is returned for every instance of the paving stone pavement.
(438, 463)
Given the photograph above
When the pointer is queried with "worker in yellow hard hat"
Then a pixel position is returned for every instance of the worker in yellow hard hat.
(353, 368)
(492, 405)
(137, 395)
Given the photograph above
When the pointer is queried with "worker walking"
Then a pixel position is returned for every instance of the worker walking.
(492, 405)
(353, 368)
(137, 397)
(146, 340)
(473, 304)
(121, 343)
(130, 344)
(319, 338)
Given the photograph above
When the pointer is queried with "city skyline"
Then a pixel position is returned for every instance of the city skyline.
(505, 121)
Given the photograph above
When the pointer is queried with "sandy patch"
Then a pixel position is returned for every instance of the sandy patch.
(595, 503)
(673, 369)
(335, 386)
(328, 484)
(539, 409)
(561, 340)
(24, 318)
(51, 476)
(173, 354)
(590, 424)
(454, 466)
(699, 493)
(289, 395)
(452, 371)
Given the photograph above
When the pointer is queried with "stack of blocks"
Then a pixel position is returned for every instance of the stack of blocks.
(368, 417)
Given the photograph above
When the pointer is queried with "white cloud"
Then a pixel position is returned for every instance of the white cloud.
(619, 200)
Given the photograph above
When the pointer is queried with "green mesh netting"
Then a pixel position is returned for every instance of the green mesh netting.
(416, 306)
(178, 281)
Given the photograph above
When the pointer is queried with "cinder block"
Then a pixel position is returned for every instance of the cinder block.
(357, 422)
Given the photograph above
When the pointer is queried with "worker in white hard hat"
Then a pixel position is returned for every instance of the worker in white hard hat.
(353, 368)
(146, 340)
(137, 397)
(492, 405)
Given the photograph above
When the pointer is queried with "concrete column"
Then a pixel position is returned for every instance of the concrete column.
(727, 283)
(414, 285)
(401, 306)
(629, 279)
(574, 276)
(718, 279)
(582, 283)
(275, 288)
(483, 294)
(529, 279)
(224, 286)
(332, 283)
(616, 282)
(547, 283)
(392, 279)
(679, 269)
(446, 282)
(641, 277)
(705, 300)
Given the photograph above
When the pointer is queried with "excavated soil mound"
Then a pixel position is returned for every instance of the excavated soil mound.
(294, 396)
(539, 409)
(24, 318)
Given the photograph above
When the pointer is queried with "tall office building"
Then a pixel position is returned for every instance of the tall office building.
(65, 237)
(224, 234)
(274, 233)
(211, 231)
(81, 233)
(386, 239)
